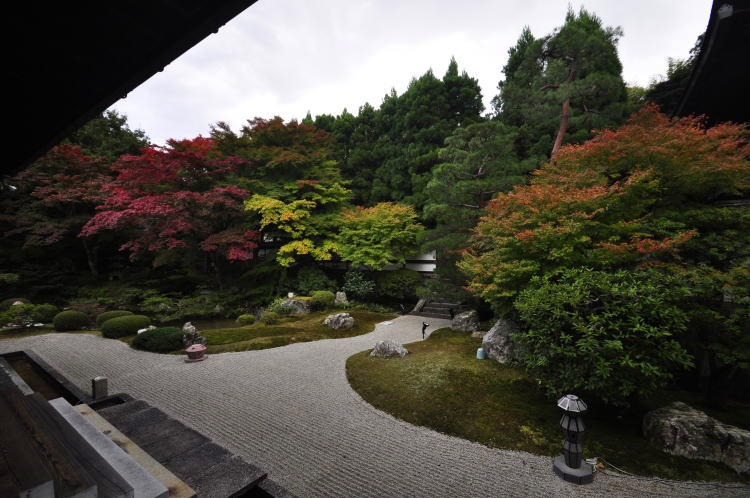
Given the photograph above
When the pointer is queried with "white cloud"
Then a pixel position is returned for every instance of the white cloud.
(285, 57)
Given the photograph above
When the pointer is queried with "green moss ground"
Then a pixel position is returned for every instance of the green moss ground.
(442, 385)
(291, 329)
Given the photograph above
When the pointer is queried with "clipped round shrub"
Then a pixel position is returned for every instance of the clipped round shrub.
(70, 320)
(43, 313)
(124, 325)
(270, 318)
(246, 319)
(160, 340)
(397, 284)
(108, 315)
(322, 299)
(7, 303)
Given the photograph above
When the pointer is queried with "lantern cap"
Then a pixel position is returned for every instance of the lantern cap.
(195, 348)
(572, 404)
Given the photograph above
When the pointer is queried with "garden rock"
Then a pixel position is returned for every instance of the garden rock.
(478, 334)
(341, 298)
(418, 307)
(386, 349)
(682, 430)
(468, 321)
(339, 321)
(300, 306)
(191, 335)
(150, 327)
(498, 342)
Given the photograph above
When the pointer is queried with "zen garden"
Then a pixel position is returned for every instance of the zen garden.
(424, 274)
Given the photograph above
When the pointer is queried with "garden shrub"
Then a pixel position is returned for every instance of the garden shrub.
(270, 317)
(108, 315)
(613, 334)
(124, 326)
(20, 314)
(246, 319)
(160, 340)
(311, 278)
(322, 299)
(70, 320)
(398, 284)
(43, 313)
(279, 308)
(357, 285)
(7, 303)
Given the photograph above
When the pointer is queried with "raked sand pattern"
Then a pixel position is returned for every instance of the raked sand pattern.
(291, 411)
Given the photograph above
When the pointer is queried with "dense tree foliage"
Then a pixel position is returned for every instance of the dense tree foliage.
(643, 195)
(108, 136)
(478, 163)
(560, 87)
(173, 202)
(375, 237)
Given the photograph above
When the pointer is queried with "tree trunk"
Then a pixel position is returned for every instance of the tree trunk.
(90, 258)
(565, 112)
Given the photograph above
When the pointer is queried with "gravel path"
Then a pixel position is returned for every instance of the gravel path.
(290, 410)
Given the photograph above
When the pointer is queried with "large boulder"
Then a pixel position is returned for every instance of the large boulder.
(300, 306)
(498, 343)
(339, 321)
(386, 349)
(468, 321)
(191, 336)
(341, 298)
(682, 430)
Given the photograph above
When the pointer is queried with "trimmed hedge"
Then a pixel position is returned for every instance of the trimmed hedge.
(70, 320)
(7, 303)
(322, 299)
(161, 340)
(108, 315)
(124, 326)
(43, 313)
(246, 319)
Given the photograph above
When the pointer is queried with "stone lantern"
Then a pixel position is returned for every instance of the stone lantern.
(196, 352)
(569, 465)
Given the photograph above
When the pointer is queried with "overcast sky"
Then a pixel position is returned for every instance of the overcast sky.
(285, 57)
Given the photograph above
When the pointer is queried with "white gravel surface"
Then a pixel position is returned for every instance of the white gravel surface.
(291, 411)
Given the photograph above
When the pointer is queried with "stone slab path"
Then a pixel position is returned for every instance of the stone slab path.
(291, 411)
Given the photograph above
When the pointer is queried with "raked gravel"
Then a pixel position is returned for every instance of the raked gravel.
(291, 411)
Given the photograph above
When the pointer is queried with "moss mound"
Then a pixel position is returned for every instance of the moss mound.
(70, 320)
(161, 340)
(108, 315)
(124, 325)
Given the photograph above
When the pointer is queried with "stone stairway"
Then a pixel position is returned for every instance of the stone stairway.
(438, 309)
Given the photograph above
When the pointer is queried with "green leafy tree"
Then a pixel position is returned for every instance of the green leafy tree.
(109, 136)
(375, 237)
(560, 87)
(478, 162)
